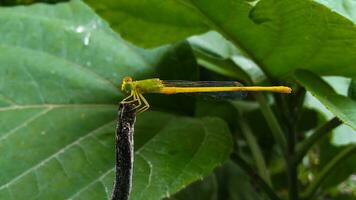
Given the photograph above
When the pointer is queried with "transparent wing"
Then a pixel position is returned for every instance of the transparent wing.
(179, 83)
(215, 95)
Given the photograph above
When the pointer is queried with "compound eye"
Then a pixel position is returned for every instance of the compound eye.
(126, 82)
(127, 79)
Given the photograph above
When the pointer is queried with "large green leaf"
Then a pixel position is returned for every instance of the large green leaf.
(60, 68)
(280, 36)
(341, 106)
(171, 152)
(343, 134)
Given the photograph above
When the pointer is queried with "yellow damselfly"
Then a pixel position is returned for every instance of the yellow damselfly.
(136, 89)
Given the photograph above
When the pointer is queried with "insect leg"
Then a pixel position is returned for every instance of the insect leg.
(132, 95)
(138, 100)
(145, 106)
(128, 97)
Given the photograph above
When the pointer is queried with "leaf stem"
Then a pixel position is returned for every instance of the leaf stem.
(255, 149)
(271, 121)
(311, 190)
(254, 176)
(304, 147)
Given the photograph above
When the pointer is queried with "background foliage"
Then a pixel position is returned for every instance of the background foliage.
(60, 68)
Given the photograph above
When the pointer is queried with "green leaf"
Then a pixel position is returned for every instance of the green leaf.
(280, 36)
(221, 109)
(171, 153)
(59, 90)
(343, 134)
(162, 21)
(341, 106)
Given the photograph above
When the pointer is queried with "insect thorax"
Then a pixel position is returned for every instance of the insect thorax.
(149, 85)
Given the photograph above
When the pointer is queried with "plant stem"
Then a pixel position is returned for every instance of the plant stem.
(291, 116)
(311, 190)
(292, 166)
(254, 176)
(296, 104)
(304, 147)
(271, 121)
(292, 178)
(255, 149)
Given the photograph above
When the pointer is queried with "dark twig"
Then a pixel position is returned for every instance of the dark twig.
(124, 152)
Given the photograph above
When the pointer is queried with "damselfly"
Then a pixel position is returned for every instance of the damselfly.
(136, 89)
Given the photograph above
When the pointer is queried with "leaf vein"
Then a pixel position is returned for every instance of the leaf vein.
(60, 151)
(24, 124)
(71, 63)
(54, 106)
(91, 183)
